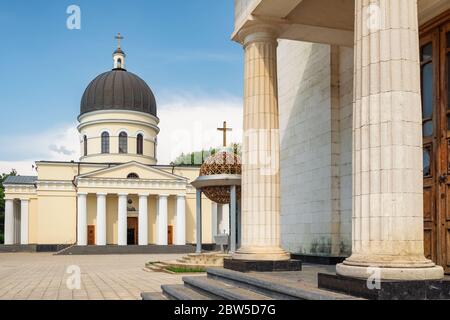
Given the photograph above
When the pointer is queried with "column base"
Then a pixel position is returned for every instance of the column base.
(261, 254)
(390, 268)
(386, 289)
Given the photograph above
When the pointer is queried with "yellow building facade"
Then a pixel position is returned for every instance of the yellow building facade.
(116, 194)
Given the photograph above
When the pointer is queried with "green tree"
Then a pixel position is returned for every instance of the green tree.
(198, 157)
(2, 201)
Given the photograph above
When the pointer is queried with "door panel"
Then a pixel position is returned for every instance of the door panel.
(435, 79)
(91, 235)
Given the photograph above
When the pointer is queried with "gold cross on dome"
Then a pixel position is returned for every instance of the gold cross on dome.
(119, 37)
(224, 129)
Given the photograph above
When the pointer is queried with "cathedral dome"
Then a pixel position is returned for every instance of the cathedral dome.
(118, 90)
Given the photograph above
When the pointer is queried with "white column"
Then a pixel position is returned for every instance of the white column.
(122, 222)
(143, 220)
(214, 219)
(162, 220)
(24, 218)
(260, 148)
(387, 147)
(82, 220)
(9, 222)
(223, 216)
(101, 220)
(198, 221)
(180, 221)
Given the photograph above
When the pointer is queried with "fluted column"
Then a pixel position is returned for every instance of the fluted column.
(122, 223)
(24, 218)
(260, 148)
(101, 220)
(9, 222)
(143, 220)
(387, 145)
(82, 219)
(162, 220)
(180, 221)
(214, 217)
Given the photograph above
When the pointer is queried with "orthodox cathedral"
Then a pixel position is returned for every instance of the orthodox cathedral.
(116, 194)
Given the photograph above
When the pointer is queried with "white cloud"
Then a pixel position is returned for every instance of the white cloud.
(188, 123)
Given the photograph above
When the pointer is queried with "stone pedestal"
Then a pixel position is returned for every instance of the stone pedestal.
(387, 147)
(260, 149)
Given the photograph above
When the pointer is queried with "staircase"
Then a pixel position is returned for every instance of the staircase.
(223, 284)
(192, 260)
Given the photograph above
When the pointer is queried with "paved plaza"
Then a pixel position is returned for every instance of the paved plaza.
(37, 276)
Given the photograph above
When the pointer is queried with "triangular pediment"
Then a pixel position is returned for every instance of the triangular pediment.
(122, 171)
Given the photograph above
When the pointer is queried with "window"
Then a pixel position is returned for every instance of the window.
(85, 146)
(105, 142)
(140, 144)
(119, 63)
(133, 176)
(123, 142)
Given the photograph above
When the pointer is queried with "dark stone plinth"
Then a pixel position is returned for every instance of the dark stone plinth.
(262, 266)
(316, 259)
(389, 290)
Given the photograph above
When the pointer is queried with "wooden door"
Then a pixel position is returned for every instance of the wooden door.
(170, 235)
(435, 60)
(91, 235)
(132, 231)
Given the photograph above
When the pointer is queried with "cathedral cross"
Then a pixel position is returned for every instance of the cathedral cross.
(224, 129)
(119, 37)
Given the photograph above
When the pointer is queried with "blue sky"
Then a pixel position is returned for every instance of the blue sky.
(181, 48)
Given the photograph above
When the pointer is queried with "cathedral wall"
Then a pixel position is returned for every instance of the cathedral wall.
(56, 218)
(315, 133)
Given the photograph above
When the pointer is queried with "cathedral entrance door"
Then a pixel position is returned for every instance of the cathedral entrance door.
(132, 231)
(435, 82)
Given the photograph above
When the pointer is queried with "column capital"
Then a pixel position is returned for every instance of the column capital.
(24, 200)
(144, 195)
(179, 196)
(82, 194)
(102, 194)
(260, 32)
(163, 195)
(122, 194)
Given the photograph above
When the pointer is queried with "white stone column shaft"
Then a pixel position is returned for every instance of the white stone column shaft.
(122, 223)
(260, 148)
(162, 220)
(214, 220)
(180, 221)
(9, 222)
(24, 218)
(82, 219)
(387, 145)
(100, 229)
(223, 216)
(143, 220)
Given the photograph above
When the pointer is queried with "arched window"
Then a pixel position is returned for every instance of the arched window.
(140, 144)
(119, 63)
(123, 142)
(105, 142)
(85, 146)
(133, 176)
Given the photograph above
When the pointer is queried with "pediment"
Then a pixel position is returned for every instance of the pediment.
(122, 171)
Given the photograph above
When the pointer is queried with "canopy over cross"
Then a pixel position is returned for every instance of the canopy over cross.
(224, 129)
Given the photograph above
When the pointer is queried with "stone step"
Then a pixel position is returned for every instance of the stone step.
(181, 292)
(221, 290)
(153, 296)
(273, 289)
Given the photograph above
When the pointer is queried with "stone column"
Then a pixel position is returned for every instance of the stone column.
(82, 220)
(143, 220)
(260, 148)
(122, 222)
(198, 221)
(100, 229)
(180, 221)
(162, 220)
(223, 218)
(387, 146)
(9, 222)
(214, 219)
(24, 218)
(233, 217)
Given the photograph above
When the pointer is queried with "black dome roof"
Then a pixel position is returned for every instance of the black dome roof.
(118, 90)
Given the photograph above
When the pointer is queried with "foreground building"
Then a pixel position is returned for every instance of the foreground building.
(116, 194)
(359, 91)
